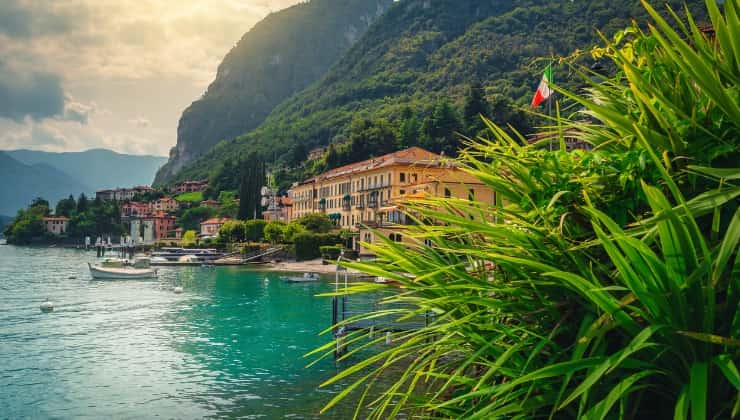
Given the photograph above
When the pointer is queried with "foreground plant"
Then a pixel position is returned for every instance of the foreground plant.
(613, 289)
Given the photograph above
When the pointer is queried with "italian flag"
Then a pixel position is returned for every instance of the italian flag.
(543, 90)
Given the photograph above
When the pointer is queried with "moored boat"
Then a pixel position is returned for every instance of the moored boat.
(306, 278)
(100, 272)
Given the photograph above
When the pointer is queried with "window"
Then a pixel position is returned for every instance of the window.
(402, 192)
(471, 194)
(448, 193)
(414, 179)
(402, 177)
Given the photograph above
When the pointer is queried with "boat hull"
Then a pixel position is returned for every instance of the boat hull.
(104, 273)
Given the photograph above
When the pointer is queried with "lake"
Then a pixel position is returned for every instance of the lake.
(230, 346)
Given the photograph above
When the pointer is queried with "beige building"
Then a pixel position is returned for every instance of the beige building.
(56, 225)
(365, 194)
(209, 228)
(165, 204)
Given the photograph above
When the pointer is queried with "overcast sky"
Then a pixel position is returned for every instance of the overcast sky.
(116, 74)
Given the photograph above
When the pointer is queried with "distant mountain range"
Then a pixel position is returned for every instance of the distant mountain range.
(27, 174)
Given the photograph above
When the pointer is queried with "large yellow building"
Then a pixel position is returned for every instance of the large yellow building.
(363, 194)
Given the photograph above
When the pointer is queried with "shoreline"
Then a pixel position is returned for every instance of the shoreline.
(310, 266)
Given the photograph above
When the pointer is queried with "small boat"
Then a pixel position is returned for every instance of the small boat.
(101, 272)
(307, 277)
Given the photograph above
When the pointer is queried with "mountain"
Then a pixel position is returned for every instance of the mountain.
(280, 56)
(96, 168)
(22, 183)
(422, 51)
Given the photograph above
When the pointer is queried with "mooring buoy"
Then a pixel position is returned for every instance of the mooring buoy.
(46, 306)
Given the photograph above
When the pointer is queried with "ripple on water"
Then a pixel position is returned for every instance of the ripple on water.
(231, 346)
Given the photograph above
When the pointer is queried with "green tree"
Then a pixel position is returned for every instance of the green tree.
(66, 206)
(255, 229)
(82, 203)
(189, 238)
(475, 107)
(191, 218)
(233, 231)
(409, 132)
(440, 127)
(275, 232)
(315, 222)
(252, 180)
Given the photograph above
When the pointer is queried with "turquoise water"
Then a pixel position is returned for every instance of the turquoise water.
(230, 346)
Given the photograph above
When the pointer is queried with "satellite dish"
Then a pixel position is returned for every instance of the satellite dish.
(265, 202)
(265, 191)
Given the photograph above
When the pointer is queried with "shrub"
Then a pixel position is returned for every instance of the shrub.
(232, 231)
(316, 222)
(611, 289)
(275, 232)
(331, 252)
(255, 229)
(306, 245)
(291, 230)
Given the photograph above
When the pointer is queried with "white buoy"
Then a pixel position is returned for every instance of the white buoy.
(267, 280)
(178, 290)
(46, 306)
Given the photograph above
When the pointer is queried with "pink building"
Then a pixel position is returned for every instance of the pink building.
(210, 227)
(165, 204)
(56, 225)
(135, 209)
(189, 186)
(163, 224)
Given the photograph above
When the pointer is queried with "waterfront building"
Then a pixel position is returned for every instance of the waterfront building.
(161, 224)
(56, 225)
(210, 227)
(368, 193)
(189, 186)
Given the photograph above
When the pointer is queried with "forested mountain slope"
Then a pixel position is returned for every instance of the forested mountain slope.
(280, 56)
(422, 51)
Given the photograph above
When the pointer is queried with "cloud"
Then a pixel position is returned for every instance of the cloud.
(34, 94)
(76, 111)
(140, 122)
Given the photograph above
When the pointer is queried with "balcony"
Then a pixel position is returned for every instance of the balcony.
(375, 186)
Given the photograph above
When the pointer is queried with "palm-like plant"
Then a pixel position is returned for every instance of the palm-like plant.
(615, 289)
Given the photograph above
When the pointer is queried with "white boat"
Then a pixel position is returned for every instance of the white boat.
(99, 272)
(307, 277)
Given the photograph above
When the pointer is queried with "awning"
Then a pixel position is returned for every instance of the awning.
(335, 216)
(347, 197)
(322, 201)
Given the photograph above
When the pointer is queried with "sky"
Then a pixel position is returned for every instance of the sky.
(115, 74)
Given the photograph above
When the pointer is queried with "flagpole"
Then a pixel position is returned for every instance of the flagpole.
(549, 100)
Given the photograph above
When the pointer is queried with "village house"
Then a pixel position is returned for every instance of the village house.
(135, 209)
(210, 203)
(162, 224)
(281, 212)
(122, 194)
(189, 186)
(316, 153)
(367, 194)
(56, 225)
(209, 228)
(165, 204)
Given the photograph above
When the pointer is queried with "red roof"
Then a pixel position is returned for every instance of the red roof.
(60, 218)
(411, 156)
(215, 221)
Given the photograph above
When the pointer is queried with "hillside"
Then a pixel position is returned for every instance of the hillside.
(22, 183)
(96, 168)
(280, 56)
(422, 50)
